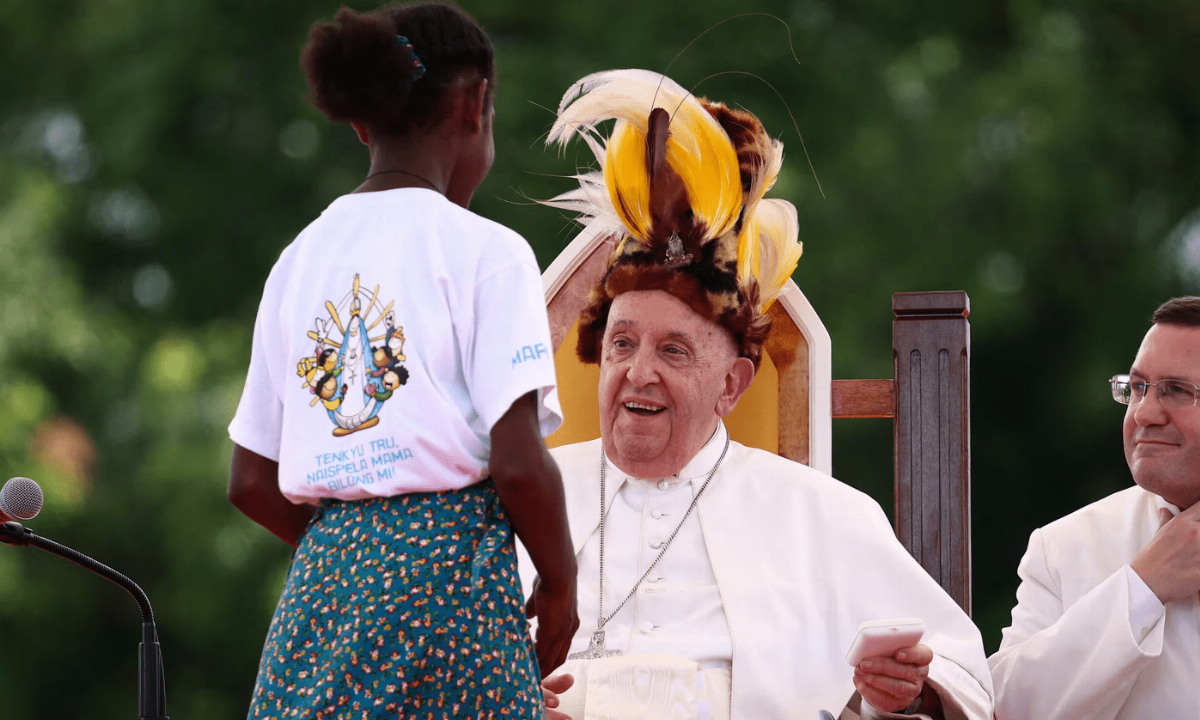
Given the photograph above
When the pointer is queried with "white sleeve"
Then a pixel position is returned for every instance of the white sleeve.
(963, 698)
(1146, 611)
(510, 353)
(258, 423)
(1079, 661)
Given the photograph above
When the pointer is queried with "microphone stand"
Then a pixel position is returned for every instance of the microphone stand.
(152, 688)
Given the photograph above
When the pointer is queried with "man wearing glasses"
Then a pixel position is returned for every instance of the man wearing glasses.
(1107, 623)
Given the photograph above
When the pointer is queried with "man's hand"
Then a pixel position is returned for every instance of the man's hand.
(558, 619)
(1170, 562)
(892, 683)
(551, 687)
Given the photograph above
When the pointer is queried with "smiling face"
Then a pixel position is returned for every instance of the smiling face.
(666, 375)
(1162, 443)
(328, 360)
(382, 356)
(327, 387)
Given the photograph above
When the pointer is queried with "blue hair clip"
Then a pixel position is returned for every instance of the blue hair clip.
(418, 66)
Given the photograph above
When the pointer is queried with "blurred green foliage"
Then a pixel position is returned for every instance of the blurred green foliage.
(155, 158)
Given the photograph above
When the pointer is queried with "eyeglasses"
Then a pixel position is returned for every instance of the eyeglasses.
(1174, 393)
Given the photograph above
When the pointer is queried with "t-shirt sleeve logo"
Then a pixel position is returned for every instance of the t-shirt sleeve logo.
(349, 376)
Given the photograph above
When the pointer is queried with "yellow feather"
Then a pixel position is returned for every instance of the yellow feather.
(698, 149)
(776, 250)
(708, 169)
(748, 249)
(627, 178)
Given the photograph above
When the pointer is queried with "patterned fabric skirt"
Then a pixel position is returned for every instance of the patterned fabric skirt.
(402, 607)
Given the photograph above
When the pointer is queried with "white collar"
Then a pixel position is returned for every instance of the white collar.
(698, 467)
(1160, 503)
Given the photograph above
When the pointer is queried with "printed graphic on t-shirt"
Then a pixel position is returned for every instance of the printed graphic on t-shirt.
(351, 374)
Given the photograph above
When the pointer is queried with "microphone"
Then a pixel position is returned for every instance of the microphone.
(20, 500)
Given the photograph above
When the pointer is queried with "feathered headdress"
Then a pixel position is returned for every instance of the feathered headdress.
(681, 191)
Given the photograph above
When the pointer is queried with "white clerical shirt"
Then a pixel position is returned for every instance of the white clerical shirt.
(675, 613)
(795, 555)
(677, 609)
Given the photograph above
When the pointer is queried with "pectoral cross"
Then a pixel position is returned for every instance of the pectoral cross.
(596, 649)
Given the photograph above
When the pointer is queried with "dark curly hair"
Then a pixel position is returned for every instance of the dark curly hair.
(358, 71)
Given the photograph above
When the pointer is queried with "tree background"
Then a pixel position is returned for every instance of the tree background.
(155, 158)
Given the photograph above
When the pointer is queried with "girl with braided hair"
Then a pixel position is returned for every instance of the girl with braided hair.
(403, 598)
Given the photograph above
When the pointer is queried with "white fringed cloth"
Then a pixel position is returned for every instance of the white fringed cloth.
(655, 686)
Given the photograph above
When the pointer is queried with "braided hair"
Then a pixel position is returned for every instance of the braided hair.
(392, 68)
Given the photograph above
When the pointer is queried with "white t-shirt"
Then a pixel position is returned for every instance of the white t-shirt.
(392, 334)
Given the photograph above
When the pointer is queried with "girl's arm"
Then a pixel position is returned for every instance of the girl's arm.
(254, 489)
(530, 488)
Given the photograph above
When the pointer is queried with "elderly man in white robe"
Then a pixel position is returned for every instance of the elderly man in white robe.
(717, 580)
(1107, 622)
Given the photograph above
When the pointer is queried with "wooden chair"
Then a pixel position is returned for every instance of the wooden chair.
(790, 406)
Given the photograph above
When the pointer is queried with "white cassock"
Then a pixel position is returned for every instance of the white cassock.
(751, 610)
(1089, 639)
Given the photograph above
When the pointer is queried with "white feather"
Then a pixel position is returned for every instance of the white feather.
(590, 200)
(627, 95)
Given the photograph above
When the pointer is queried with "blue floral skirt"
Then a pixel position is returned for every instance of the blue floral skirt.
(402, 607)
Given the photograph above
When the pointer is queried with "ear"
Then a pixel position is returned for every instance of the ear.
(364, 136)
(737, 380)
(474, 106)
